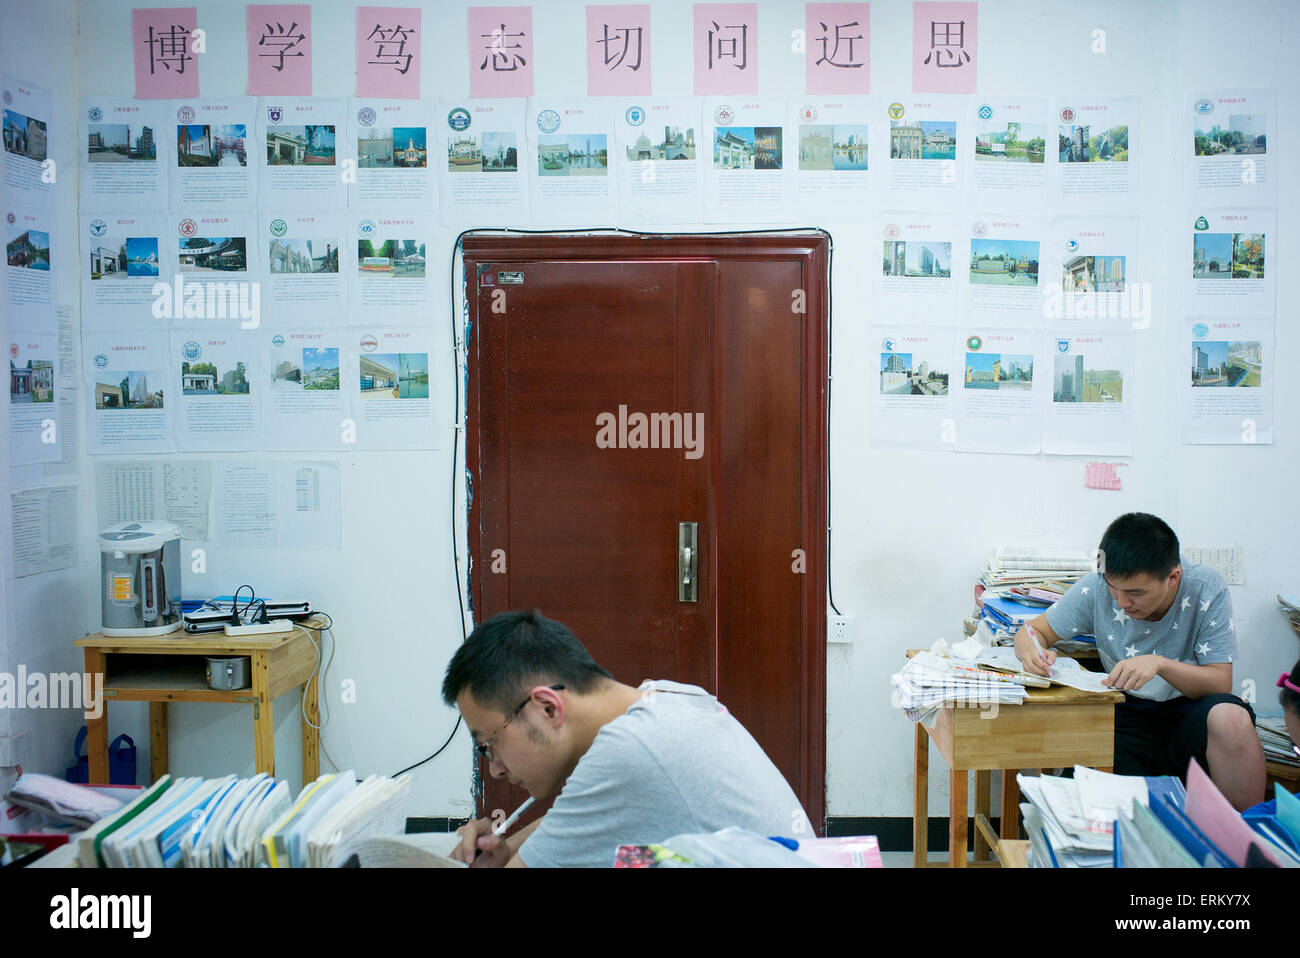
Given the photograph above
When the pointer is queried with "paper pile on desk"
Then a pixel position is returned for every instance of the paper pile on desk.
(1076, 817)
(1273, 736)
(929, 682)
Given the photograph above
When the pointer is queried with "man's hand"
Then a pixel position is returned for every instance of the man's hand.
(1130, 674)
(1028, 655)
(476, 837)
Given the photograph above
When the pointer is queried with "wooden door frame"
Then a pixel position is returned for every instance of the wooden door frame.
(811, 248)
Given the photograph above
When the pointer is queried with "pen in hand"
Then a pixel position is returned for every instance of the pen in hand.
(505, 825)
(1042, 657)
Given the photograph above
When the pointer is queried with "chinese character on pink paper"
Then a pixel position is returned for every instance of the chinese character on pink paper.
(838, 41)
(943, 47)
(279, 50)
(726, 48)
(388, 52)
(165, 65)
(500, 51)
(618, 50)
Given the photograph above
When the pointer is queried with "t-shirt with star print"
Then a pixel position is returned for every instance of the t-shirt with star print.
(1197, 628)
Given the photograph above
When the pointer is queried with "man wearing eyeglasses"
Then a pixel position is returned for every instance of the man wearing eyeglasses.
(625, 765)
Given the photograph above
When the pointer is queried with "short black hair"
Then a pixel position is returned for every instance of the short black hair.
(1291, 700)
(511, 653)
(1137, 543)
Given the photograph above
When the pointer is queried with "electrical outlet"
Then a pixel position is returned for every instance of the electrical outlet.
(839, 629)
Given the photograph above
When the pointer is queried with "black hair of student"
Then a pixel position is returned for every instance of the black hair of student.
(1291, 700)
(1138, 543)
(513, 652)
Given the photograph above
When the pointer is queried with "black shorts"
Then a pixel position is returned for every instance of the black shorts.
(1160, 738)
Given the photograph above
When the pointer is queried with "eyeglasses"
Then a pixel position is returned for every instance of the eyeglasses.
(484, 749)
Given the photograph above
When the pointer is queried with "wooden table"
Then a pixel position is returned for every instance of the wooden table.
(171, 668)
(1053, 728)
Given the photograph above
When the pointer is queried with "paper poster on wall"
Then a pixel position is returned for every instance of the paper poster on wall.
(388, 52)
(1232, 138)
(1227, 379)
(568, 162)
(944, 48)
(480, 143)
(179, 491)
(928, 161)
(1088, 273)
(29, 172)
(748, 177)
(214, 139)
(1009, 153)
(392, 154)
(912, 404)
(1090, 412)
(164, 47)
(923, 264)
(830, 157)
(726, 49)
(277, 505)
(303, 258)
(299, 145)
(1097, 150)
(618, 50)
(1233, 260)
(44, 529)
(124, 153)
(837, 49)
(33, 386)
(997, 408)
(279, 49)
(1003, 273)
(304, 404)
(309, 505)
(122, 261)
(216, 270)
(393, 274)
(129, 392)
(388, 376)
(217, 375)
(501, 52)
(659, 158)
(29, 283)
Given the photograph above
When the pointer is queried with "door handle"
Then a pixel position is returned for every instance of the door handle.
(688, 561)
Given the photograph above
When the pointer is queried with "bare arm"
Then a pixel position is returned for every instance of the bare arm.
(1194, 681)
(1025, 650)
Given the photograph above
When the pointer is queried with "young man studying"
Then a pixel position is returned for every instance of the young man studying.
(1166, 636)
(625, 765)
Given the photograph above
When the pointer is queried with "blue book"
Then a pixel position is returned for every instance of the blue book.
(1188, 835)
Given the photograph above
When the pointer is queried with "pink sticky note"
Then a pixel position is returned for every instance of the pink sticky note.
(388, 53)
(166, 65)
(1101, 475)
(838, 42)
(618, 50)
(726, 48)
(279, 49)
(943, 47)
(500, 51)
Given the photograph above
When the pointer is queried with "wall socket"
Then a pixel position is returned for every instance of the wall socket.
(839, 629)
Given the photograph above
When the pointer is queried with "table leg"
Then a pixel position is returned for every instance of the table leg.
(310, 736)
(921, 799)
(983, 804)
(263, 722)
(158, 763)
(97, 728)
(958, 781)
(1010, 827)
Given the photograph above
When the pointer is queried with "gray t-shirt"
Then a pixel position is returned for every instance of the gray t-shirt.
(1197, 628)
(675, 762)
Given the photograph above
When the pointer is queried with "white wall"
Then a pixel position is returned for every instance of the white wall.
(910, 528)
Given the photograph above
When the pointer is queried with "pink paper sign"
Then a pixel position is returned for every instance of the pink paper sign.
(500, 51)
(388, 53)
(943, 47)
(618, 50)
(279, 49)
(166, 65)
(838, 47)
(726, 48)
(1101, 475)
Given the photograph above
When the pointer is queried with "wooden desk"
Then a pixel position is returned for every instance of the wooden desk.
(1054, 728)
(171, 668)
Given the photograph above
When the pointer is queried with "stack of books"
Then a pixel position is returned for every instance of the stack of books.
(1018, 584)
(1275, 739)
(929, 682)
(1290, 603)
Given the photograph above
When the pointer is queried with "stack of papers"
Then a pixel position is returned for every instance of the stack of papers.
(929, 682)
(1077, 816)
(376, 808)
(1275, 739)
(1018, 584)
(1015, 565)
(1290, 603)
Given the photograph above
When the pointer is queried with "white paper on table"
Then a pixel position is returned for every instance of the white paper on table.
(1088, 274)
(1003, 274)
(29, 283)
(125, 149)
(217, 152)
(305, 258)
(1226, 378)
(299, 145)
(392, 279)
(1228, 148)
(389, 141)
(122, 262)
(929, 159)
(310, 506)
(659, 157)
(387, 372)
(1102, 796)
(28, 114)
(1089, 412)
(1096, 148)
(1008, 149)
(911, 404)
(1232, 259)
(998, 387)
(570, 183)
(748, 176)
(178, 491)
(482, 159)
(129, 393)
(33, 415)
(212, 256)
(923, 268)
(304, 405)
(830, 156)
(216, 373)
(44, 529)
